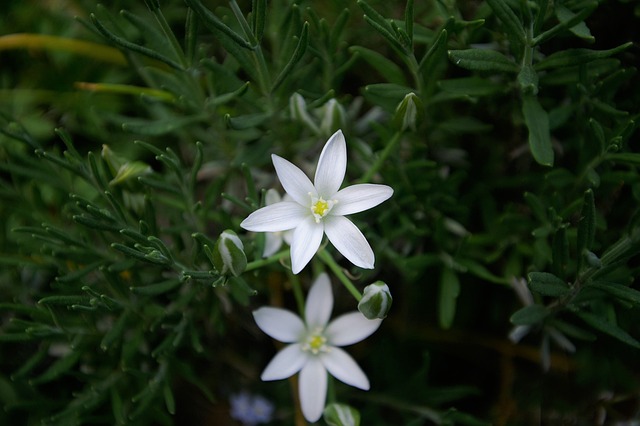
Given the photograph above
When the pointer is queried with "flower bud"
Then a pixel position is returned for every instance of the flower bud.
(298, 109)
(408, 113)
(376, 301)
(228, 254)
(123, 170)
(333, 117)
(341, 415)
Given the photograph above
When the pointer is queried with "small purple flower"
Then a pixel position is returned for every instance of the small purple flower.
(250, 409)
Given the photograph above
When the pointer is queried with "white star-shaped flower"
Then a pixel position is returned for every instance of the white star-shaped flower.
(273, 240)
(314, 346)
(320, 207)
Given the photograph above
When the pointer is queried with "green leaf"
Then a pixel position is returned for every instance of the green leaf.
(158, 288)
(547, 284)
(298, 53)
(258, 18)
(567, 16)
(59, 367)
(449, 292)
(109, 35)
(627, 157)
(512, 24)
(587, 223)
(619, 291)
(607, 327)
(388, 69)
(568, 20)
(248, 121)
(482, 60)
(470, 86)
(408, 21)
(387, 95)
(161, 127)
(116, 331)
(215, 24)
(64, 300)
(435, 55)
(560, 251)
(537, 122)
(382, 25)
(573, 57)
(530, 315)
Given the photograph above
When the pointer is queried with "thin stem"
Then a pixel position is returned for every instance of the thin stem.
(267, 261)
(381, 158)
(173, 41)
(328, 260)
(297, 293)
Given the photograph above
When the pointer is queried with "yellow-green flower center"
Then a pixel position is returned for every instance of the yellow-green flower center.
(321, 207)
(315, 343)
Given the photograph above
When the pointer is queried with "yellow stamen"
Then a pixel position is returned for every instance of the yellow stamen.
(320, 207)
(315, 344)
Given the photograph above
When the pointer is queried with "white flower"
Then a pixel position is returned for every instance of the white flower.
(273, 240)
(313, 346)
(320, 207)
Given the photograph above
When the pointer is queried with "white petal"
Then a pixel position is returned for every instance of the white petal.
(344, 368)
(312, 388)
(286, 363)
(271, 197)
(306, 240)
(319, 304)
(350, 328)
(276, 217)
(280, 324)
(349, 241)
(357, 198)
(332, 166)
(272, 243)
(294, 181)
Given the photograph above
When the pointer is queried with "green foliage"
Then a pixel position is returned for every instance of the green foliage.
(131, 141)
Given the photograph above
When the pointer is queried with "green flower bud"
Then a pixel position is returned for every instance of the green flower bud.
(228, 254)
(298, 108)
(341, 415)
(123, 170)
(528, 80)
(376, 301)
(333, 117)
(408, 113)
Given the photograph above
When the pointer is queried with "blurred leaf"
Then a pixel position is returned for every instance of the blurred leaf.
(297, 55)
(449, 292)
(580, 29)
(617, 290)
(607, 327)
(51, 42)
(530, 315)
(537, 122)
(59, 367)
(482, 60)
(587, 223)
(386, 94)
(512, 24)
(388, 69)
(547, 284)
(572, 57)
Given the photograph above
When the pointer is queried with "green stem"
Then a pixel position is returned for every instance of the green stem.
(297, 293)
(267, 261)
(381, 158)
(173, 41)
(328, 260)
